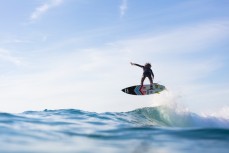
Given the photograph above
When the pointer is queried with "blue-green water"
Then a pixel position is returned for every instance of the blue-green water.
(146, 130)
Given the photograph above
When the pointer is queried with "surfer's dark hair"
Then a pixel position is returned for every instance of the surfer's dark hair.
(147, 65)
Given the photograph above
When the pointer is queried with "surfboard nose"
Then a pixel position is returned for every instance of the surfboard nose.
(123, 90)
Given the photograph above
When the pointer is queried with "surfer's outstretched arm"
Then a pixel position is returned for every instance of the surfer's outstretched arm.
(136, 64)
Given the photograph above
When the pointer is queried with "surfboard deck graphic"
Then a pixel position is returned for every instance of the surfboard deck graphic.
(144, 90)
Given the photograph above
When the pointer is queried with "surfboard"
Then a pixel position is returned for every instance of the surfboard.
(144, 90)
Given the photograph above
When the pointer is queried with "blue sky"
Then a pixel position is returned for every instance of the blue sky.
(57, 54)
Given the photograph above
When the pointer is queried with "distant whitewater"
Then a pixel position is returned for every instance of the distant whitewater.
(152, 129)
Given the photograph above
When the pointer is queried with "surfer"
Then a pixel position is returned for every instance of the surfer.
(147, 72)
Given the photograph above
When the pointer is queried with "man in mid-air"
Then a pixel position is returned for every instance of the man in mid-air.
(147, 72)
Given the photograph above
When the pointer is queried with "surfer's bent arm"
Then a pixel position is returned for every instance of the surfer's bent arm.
(136, 64)
(152, 74)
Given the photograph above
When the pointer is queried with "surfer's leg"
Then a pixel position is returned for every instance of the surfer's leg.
(142, 81)
(151, 82)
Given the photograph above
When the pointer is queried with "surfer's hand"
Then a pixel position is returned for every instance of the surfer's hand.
(131, 63)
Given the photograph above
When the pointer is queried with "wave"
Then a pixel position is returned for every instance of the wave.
(140, 130)
(161, 116)
(165, 116)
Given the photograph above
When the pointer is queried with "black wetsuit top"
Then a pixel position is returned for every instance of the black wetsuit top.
(147, 72)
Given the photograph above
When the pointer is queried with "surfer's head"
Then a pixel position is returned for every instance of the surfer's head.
(148, 65)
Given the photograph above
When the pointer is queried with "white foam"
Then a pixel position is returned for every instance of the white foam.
(180, 115)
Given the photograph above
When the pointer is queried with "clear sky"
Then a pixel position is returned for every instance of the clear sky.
(57, 54)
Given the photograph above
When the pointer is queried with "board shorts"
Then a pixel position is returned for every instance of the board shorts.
(147, 74)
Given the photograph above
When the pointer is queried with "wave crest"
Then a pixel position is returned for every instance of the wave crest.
(164, 116)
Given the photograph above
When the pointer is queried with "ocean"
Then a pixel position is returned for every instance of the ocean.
(161, 129)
